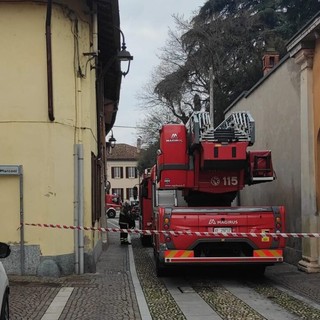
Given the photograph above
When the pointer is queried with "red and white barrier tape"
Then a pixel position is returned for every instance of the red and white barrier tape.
(177, 233)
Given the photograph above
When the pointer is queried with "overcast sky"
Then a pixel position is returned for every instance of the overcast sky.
(145, 24)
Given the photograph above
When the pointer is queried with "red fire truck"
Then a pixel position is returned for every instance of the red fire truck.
(187, 197)
(146, 208)
(112, 204)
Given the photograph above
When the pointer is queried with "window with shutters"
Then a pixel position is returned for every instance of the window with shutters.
(129, 193)
(116, 172)
(131, 172)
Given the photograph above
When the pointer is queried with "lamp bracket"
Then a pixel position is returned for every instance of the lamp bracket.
(92, 54)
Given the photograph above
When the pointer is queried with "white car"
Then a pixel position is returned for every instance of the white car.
(4, 284)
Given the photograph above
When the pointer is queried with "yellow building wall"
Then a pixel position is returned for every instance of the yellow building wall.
(27, 137)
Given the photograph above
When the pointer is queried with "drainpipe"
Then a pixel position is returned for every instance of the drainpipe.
(81, 216)
(49, 60)
(76, 209)
(80, 168)
(22, 248)
(79, 173)
(95, 29)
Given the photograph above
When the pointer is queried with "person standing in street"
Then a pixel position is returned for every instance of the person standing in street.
(125, 222)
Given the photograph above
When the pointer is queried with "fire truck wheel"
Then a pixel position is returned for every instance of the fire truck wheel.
(161, 271)
(256, 271)
(111, 213)
(146, 241)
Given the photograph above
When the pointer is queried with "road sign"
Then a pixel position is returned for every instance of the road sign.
(10, 170)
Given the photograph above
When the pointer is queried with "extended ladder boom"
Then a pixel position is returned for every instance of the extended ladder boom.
(239, 126)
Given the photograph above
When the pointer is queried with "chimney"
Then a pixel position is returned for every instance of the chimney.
(269, 60)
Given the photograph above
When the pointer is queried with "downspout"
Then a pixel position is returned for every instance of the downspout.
(95, 29)
(80, 174)
(76, 209)
(49, 60)
(79, 171)
(22, 247)
(81, 216)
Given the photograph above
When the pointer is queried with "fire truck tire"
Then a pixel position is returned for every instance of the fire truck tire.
(256, 271)
(111, 213)
(146, 241)
(161, 270)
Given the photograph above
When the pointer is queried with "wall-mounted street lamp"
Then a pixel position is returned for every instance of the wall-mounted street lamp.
(139, 144)
(111, 143)
(124, 55)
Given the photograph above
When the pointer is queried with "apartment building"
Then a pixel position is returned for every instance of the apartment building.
(122, 172)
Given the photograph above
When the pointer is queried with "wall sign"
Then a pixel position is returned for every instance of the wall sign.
(10, 170)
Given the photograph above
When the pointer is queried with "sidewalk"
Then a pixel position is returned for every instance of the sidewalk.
(288, 276)
(111, 293)
(119, 299)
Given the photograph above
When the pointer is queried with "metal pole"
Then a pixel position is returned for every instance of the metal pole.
(13, 170)
(95, 28)
(22, 253)
(211, 96)
(76, 209)
(81, 216)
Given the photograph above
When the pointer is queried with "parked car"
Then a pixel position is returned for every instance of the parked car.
(4, 284)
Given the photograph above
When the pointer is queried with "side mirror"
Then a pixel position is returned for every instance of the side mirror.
(4, 250)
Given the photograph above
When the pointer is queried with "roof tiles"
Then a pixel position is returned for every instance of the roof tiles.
(123, 151)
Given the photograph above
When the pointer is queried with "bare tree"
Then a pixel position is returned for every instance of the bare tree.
(172, 87)
(152, 123)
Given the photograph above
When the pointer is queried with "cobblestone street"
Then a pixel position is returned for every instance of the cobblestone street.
(112, 292)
